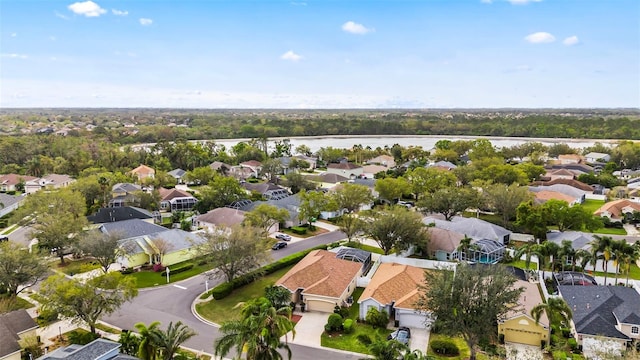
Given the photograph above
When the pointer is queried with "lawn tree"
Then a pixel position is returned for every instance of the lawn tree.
(449, 201)
(352, 196)
(221, 191)
(258, 333)
(396, 228)
(20, 267)
(201, 175)
(383, 349)
(147, 348)
(298, 182)
(505, 199)
(104, 248)
(277, 295)
(312, 203)
(557, 310)
(57, 216)
(235, 252)
(351, 225)
(469, 301)
(161, 247)
(87, 302)
(265, 216)
(427, 180)
(303, 149)
(270, 169)
(566, 217)
(532, 219)
(391, 189)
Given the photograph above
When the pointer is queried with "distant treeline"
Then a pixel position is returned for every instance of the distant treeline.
(170, 125)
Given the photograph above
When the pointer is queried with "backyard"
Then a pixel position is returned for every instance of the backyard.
(226, 309)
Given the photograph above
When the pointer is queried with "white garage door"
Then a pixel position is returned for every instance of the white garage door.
(411, 319)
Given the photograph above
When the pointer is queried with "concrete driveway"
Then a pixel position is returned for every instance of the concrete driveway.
(523, 352)
(309, 329)
(419, 339)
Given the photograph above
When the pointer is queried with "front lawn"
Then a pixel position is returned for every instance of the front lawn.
(592, 205)
(225, 309)
(72, 267)
(13, 303)
(350, 342)
(318, 230)
(462, 346)
(610, 231)
(634, 273)
(146, 279)
(521, 264)
(369, 248)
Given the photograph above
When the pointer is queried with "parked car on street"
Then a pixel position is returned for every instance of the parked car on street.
(402, 335)
(279, 245)
(284, 237)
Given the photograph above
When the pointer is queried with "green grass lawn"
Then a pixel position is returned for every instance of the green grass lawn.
(14, 303)
(225, 309)
(350, 342)
(634, 273)
(146, 279)
(10, 229)
(369, 248)
(308, 234)
(521, 264)
(72, 267)
(610, 231)
(592, 205)
(108, 329)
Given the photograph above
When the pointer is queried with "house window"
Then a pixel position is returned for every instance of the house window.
(634, 330)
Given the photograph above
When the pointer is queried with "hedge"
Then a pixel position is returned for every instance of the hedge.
(299, 230)
(177, 270)
(223, 290)
(444, 347)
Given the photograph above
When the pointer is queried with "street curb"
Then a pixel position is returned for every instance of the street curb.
(197, 316)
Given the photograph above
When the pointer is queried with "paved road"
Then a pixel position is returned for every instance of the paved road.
(21, 236)
(172, 303)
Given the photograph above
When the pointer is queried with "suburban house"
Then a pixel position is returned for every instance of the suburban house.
(597, 158)
(254, 168)
(576, 196)
(618, 210)
(569, 182)
(268, 190)
(518, 326)
(384, 160)
(327, 180)
(555, 174)
(346, 169)
(51, 181)
(176, 200)
(220, 219)
(99, 349)
(313, 161)
(123, 194)
(221, 167)
(370, 171)
(473, 227)
(445, 165)
(8, 182)
(114, 214)
(570, 159)
(9, 203)
(177, 174)
(444, 244)
(14, 327)
(543, 196)
(321, 281)
(290, 203)
(580, 240)
(143, 172)
(576, 169)
(395, 288)
(604, 317)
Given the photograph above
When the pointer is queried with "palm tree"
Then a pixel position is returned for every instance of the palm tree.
(147, 349)
(528, 249)
(584, 257)
(619, 249)
(631, 255)
(387, 350)
(602, 244)
(169, 341)
(557, 310)
(257, 333)
(417, 355)
(567, 252)
(463, 248)
(548, 251)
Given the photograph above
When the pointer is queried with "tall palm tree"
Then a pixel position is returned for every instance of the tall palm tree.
(601, 247)
(528, 249)
(387, 350)
(619, 249)
(548, 251)
(463, 248)
(148, 349)
(631, 256)
(257, 333)
(169, 341)
(567, 252)
(585, 258)
(417, 355)
(557, 310)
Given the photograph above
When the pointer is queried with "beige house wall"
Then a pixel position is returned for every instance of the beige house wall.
(523, 330)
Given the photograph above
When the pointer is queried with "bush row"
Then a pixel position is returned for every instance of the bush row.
(299, 230)
(177, 270)
(223, 290)
(444, 347)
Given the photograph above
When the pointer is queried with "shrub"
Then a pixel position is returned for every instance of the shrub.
(444, 347)
(222, 291)
(177, 270)
(555, 339)
(377, 319)
(81, 337)
(158, 267)
(342, 311)
(128, 270)
(334, 323)
(364, 339)
(559, 355)
(566, 332)
(501, 338)
(347, 326)
(299, 230)
(573, 344)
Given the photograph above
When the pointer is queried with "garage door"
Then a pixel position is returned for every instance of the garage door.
(522, 337)
(411, 320)
(323, 306)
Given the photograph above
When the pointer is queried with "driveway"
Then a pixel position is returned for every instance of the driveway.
(419, 339)
(309, 329)
(523, 352)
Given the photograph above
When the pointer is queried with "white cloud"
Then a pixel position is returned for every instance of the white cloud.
(14, 34)
(571, 40)
(522, 2)
(145, 21)
(14, 56)
(87, 8)
(355, 28)
(291, 56)
(61, 16)
(119, 12)
(540, 38)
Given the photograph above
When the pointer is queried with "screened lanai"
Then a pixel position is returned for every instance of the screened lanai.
(356, 255)
(482, 251)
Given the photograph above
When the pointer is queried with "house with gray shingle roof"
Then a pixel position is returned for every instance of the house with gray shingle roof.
(9, 203)
(472, 227)
(570, 191)
(114, 214)
(15, 326)
(99, 349)
(603, 316)
(177, 174)
(167, 247)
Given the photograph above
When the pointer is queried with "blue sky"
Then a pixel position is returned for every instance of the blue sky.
(320, 53)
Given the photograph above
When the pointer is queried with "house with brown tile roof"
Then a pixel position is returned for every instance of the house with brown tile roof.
(518, 326)
(254, 165)
(143, 172)
(617, 210)
(443, 243)
(321, 281)
(570, 159)
(371, 170)
(384, 160)
(8, 182)
(570, 182)
(15, 326)
(176, 200)
(345, 169)
(395, 288)
(543, 196)
(555, 174)
(220, 219)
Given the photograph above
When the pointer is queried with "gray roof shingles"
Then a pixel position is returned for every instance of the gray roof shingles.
(97, 349)
(12, 324)
(132, 228)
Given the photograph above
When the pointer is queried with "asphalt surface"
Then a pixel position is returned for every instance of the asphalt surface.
(172, 303)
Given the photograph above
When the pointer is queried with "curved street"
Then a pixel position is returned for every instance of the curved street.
(173, 303)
